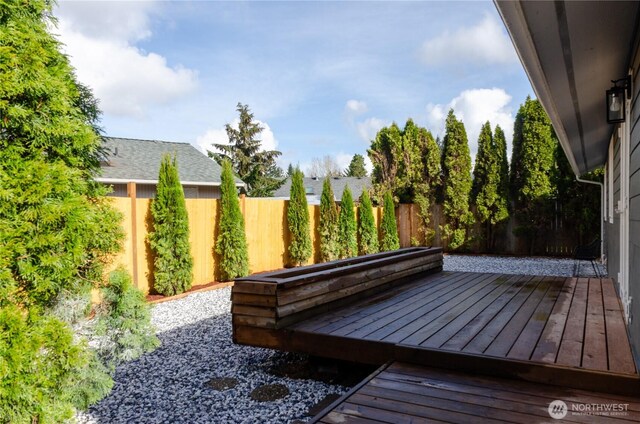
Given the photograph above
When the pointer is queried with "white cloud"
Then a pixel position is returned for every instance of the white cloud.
(368, 128)
(475, 107)
(484, 43)
(355, 108)
(100, 39)
(219, 136)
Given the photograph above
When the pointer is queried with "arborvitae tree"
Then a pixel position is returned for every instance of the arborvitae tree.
(347, 233)
(57, 229)
(356, 167)
(385, 151)
(256, 167)
(169, 239)
(290, 170)
(328, 226)
(231, 244)
(491, 205)
(426, 177)
(503, 166)
(389, 239)
(367, 231)
(456, 170)
(532, 163)
(298, 220)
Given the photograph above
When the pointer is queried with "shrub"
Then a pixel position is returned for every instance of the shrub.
(298, 220)
(231, 244)
(169, 240)
(367, 231)
(328, 226)
(347, 226)
(388, 229)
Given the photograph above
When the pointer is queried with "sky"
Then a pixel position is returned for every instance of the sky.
(321, 77)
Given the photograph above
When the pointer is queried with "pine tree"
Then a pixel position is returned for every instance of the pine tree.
(356, 167)
(256, 167)
(231, 243)
(328, 226)
(169, 239)
(347, 232)
(290, 170)
(57, 230)
(298, 221)
(388, 228)
(456, 170)
(367, 231)
(531, 168)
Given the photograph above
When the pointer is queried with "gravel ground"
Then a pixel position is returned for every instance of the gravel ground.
(169, 385)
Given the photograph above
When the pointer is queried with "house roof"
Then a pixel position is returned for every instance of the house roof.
(313, 186)
(571, 50)
(133, 160)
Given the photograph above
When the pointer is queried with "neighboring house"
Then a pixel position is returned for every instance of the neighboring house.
(313, 187)
(129, 163)
(571, 52)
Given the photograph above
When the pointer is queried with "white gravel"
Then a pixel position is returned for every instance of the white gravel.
(169, 384)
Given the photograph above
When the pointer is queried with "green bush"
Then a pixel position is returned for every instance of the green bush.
(328, 226)
(169, 239)
(388, 228)
(231, 244)
(367, 231)
(124, 321)
(298, 221)
(347, 226)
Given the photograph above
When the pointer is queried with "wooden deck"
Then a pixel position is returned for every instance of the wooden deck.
(404, 393)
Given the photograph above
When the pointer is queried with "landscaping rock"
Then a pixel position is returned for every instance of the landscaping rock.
(269, 392)
(221, 384)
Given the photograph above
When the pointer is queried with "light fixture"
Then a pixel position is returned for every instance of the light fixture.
(616, 96)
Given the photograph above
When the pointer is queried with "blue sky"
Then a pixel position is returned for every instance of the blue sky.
(322, 77)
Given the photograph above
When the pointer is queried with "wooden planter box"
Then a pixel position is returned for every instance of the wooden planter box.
(274, 300)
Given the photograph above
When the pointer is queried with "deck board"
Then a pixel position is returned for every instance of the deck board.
(405, 393)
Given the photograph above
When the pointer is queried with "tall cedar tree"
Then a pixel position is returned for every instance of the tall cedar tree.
(298, 221)
(532, 165)
(57, 229)
(486, 194)
(231, 244)
(356, 167)
(169, 239)
(367, 231)
(503, 163)
(256, 167)
(456, 170)
(328, 226)
(389, 239)
(347, 231)
(407, 163)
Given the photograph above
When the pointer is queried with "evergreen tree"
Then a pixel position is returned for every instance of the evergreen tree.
(169, 239)
(290, 170)
(385, 154)
(491, 205)
(503, 166)
(367, 231)
(531, 168)
(388, 228)
(328, 226)
(347, 232)
(356, 167)
(456, 170)
(298, 220)
(57, 230)
(426, 178)
(231, 244)
(256, 167)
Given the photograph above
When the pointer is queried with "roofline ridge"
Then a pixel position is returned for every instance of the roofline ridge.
(147, 139)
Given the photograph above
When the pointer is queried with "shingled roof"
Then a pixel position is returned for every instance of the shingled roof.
(313, 187)
(132, 160)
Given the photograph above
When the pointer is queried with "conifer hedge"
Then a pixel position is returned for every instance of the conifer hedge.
(328, 225)
(231, 244)
(169, 240)
(347, 233)
(389, 239)
(298, 222)
(367, 231)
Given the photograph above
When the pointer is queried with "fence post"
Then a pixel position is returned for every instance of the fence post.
(131, 193)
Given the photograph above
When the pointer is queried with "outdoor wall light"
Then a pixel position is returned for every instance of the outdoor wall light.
(616, 96)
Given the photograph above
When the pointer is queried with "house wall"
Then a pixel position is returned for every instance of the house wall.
(148, 191)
